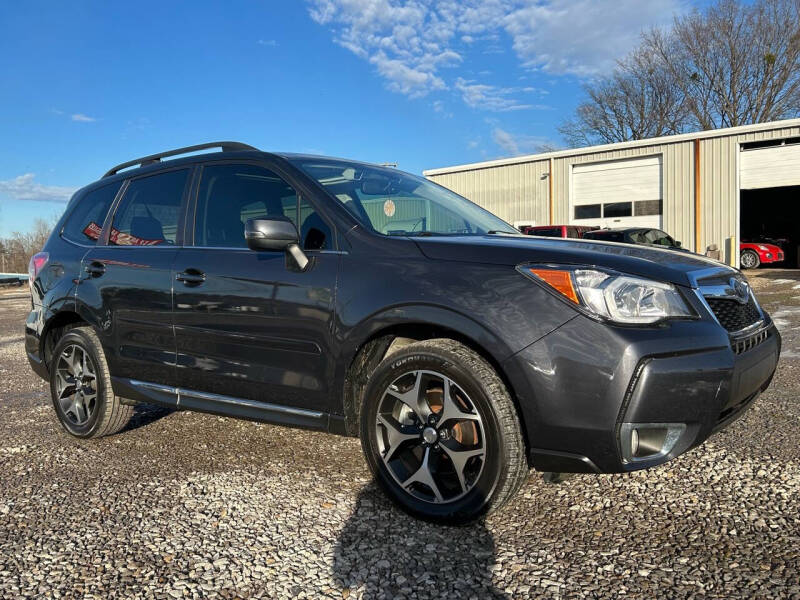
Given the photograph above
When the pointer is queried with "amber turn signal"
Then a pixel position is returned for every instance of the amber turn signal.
(561, 281)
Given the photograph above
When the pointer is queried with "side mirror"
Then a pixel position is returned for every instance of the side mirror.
(276, 234)
(677, 244)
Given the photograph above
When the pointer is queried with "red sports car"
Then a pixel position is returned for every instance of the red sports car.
(752, 254)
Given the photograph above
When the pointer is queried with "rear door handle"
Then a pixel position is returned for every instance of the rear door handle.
(95, 269)
(191, 277)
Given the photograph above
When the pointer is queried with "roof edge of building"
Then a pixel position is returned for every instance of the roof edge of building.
(669, 139)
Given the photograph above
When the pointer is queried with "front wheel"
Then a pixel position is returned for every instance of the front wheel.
(440, 432)
(749, 260)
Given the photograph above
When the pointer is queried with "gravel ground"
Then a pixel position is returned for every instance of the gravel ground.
(190, 505)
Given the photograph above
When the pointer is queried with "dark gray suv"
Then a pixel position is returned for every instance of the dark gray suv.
(360, 300)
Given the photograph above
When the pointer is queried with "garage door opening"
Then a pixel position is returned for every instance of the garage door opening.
(772, 216)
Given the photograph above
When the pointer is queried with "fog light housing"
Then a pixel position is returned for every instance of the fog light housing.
(648, 441)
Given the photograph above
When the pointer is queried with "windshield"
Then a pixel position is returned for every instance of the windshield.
(391, 202)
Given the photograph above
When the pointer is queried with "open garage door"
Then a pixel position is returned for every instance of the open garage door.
(771, 167)
(620, 193)
(769, 182)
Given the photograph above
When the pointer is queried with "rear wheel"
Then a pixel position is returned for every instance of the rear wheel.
(749, 260)
(80, 386)
(441, 434)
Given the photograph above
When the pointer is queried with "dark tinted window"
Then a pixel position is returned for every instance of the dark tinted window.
(572, 232)
(604, 236)
(617, 209)
(547, 231)
(229, 195)
(148, 213)
(588, 211)
(86, 220)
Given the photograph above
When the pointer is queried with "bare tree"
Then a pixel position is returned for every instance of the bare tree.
(19, 247)
(637, 101)
(731, 64)
(735, 63)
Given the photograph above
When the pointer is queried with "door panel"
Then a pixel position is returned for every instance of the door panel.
(250, 324)
(128, 283)
(255, 327)
(131, 295)
(778, 166)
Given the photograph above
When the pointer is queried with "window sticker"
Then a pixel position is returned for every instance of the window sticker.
(117, 237)
(389, 208)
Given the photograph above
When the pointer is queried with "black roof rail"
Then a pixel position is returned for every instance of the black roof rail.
(154, 158)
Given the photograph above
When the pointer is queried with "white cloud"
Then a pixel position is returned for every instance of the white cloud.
(439, 107)
(515, 145)
(81, 118)
(271, 43)
(25, 188)
(410, 42)
(582, 37)
(492, 98)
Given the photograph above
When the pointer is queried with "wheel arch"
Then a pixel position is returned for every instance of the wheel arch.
(58, 322)
(382, 335)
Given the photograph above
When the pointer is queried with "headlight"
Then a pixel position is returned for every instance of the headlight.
(764, 248)
(612, 296)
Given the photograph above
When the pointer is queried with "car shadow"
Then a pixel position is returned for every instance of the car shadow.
(386, 553)
(145, 414)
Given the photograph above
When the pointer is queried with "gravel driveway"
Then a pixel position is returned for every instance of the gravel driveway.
(190, 505)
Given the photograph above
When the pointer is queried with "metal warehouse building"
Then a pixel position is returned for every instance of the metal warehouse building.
(714, 187)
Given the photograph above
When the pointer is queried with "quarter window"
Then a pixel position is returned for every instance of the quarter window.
(148, 213)
(86, 220)
(231, 194)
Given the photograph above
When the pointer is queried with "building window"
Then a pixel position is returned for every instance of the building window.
(588, 211)
(617, 209)
(645, 208)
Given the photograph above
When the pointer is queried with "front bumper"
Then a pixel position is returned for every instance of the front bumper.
(582, 388)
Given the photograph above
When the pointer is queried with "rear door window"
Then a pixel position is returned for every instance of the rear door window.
(84, 224)
(149, 213)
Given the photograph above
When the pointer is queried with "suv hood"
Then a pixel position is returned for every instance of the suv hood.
(681, 268)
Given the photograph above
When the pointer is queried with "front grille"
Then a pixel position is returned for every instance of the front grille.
(732, 314)
(744, 344)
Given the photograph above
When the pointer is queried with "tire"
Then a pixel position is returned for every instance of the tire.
(94, 411)
(749, 260)
(476, 458)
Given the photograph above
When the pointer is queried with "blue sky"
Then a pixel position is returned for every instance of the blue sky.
(424, 84)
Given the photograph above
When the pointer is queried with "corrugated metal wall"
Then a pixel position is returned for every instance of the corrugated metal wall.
(520, 192)
(719, 187)
(513, 192)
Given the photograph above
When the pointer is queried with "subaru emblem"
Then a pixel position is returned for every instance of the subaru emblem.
(741, 290)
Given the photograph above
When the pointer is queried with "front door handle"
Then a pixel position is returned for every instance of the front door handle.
(95, 268)
(191, 277)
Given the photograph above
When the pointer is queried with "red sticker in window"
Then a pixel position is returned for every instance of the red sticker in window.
(119, 238)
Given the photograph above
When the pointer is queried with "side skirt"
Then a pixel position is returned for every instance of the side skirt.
(227, 406)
